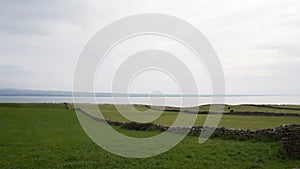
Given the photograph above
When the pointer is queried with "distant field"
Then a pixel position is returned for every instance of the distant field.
(49, 136)
(251, 108)
(229, 121)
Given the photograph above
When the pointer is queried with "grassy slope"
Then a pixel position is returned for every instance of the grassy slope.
(51, 137)
(230, 121)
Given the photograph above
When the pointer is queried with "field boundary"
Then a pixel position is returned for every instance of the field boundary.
(272, 134)
(271, 106)
(245, 113)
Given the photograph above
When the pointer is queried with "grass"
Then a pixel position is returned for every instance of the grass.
(49, 136)
(252, 108)
(229, 121)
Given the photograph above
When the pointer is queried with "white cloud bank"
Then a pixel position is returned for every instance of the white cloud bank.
(257, 41)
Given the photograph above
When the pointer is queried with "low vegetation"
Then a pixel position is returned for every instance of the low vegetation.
(228, 121)
(50, 136)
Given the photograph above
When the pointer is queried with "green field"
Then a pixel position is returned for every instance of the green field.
(252, 108)
(49, 136)
(229, 121)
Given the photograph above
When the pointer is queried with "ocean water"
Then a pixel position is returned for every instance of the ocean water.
(168, 101)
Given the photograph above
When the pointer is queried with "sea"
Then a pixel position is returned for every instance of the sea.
(163, 101)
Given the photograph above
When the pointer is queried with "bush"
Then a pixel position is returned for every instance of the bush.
(138, 126)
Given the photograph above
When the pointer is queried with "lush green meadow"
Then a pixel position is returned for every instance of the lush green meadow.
(251, 108)
(50, 136)
(229, 121)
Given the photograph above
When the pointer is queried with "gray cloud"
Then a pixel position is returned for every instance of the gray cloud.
(257, 41)
(27, 17)
(10, 71)
(288, 50)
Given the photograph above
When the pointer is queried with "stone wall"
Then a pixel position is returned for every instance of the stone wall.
(232, 112)
(291, 141)
(68, 106)
(274, 134)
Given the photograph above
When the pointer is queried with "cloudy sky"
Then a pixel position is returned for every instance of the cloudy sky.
(258, 42)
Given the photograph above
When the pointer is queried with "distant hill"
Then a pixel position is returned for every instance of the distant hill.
(55, 93)
(26, 92)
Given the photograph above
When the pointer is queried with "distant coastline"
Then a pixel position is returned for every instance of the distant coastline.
(55, 93)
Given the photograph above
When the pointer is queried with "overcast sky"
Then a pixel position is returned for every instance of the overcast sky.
(258, 42)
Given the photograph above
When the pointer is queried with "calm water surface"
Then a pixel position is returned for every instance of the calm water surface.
(170, 101)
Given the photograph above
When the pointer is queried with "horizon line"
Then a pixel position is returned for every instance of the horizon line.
(66, 93)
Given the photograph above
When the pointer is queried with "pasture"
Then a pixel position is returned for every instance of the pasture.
(50, 136)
